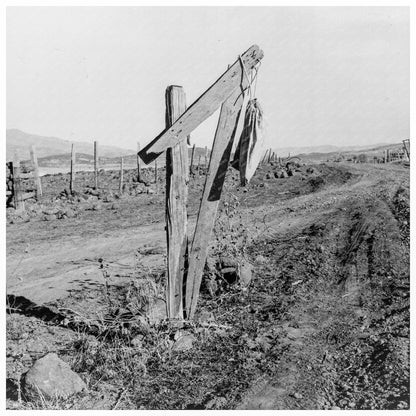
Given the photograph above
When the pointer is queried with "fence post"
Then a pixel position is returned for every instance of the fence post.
(206, 157)
(156, 187)
(38, 182)
(177, 177)
(95, 164)
(17, 190)
(191, 166)
(121, 175)
(139, 178)
(72, 173)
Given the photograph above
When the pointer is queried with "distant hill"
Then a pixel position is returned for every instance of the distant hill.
(285, 151)
(17, 140)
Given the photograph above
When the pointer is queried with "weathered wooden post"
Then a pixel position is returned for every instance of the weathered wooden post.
(199, 164)
(206, 157)
(121, 175)
(95, 164)
(156, 187)
(191, 166)
(388, 155)
(226, 90)
(72, 173)
(17, 190)
(139, 178)
(38, 182)
(177, 178)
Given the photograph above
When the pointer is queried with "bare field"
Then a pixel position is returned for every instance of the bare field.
(324, 322)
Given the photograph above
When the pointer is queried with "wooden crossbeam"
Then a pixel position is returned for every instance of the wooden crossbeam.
(204, 106)
(220, 157)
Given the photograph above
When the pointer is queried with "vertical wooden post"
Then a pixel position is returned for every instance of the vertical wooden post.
(72, 173)
(17, 190)
(38, 182)
(206, 157)
(177, 178)
(139, 178)
(388, 155)
(191, 166)
(156, 176)
(220, 157)
(95, 164)
(199, 163)
(121, 175)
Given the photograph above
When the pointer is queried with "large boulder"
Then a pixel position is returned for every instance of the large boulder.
(51, 377)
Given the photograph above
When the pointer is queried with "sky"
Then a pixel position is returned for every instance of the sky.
(330, 75)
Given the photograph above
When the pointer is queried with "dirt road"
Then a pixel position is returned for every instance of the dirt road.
(325, 322)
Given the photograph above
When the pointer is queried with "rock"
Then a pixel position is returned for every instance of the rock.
(70, 213)
(49, 217)
(205, 317)
(157, 311)
(297, 395)
(108, 198)
(277, 174)
(184, 343)
(151, 191)
(246, 273)
(52, 378)
(283, 174)
(260, 259)
(96, 207)
(335, 408)
(228, 261)
(137, 342)
(268, 176)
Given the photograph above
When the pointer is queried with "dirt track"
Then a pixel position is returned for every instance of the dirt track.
(333, 255)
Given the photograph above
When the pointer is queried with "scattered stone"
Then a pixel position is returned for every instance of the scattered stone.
(228, 261)
(151, 191)
(283, 174)
(52, 378)
(260, 259)
(297, 396)
(184, 343)
(49, 217)
(246, 273)
(205, 317)
(157, 311)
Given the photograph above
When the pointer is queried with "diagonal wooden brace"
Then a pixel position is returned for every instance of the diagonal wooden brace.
(204, 106)
(220, 156)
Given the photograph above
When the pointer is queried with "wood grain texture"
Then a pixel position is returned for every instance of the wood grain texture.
(220, 157)
(204, 106)
(176, 214)
(36, 176)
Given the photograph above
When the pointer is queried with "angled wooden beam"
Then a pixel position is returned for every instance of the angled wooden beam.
(220, 157)
(177, 177)
(204, 106)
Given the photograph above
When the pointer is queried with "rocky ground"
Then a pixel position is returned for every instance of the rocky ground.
(304, 303)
